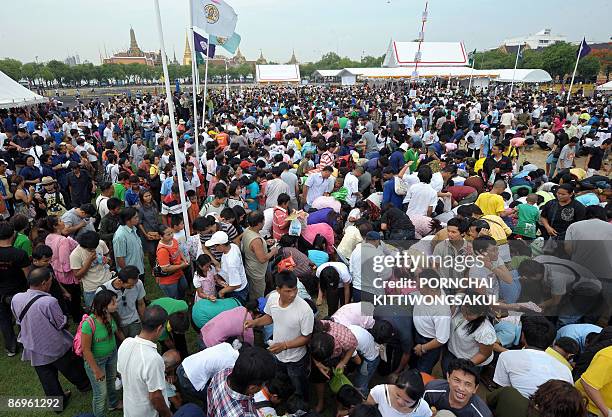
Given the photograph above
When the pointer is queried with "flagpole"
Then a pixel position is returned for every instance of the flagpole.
(170, 102)
(227, 95)
(471, 74)
(194, 94)
(205, 85)
(569, 93)
(518, 53)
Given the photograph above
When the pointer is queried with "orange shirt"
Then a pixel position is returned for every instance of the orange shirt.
(222, 139)
(169, 255)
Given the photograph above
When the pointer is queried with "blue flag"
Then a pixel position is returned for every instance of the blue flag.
(584, 49)
(229, 44)
(202, 46)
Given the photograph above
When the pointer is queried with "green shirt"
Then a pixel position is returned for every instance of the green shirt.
(412, 155)
(102, 344)
(171, 306)
(119, 191)
(528, 217)
(342, 121)
(205, 310)
(22, 242)
(508, 402)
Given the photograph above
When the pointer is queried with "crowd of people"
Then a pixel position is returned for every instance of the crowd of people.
(272, 301)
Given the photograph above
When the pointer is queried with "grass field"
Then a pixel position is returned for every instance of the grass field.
(20, 380)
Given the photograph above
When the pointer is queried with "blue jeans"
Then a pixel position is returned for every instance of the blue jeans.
(176, 290)
(188, 387)
(105, 389)
(241, 295)
(298, 374)
(149, 139)
(427, 361)
(88, 297)
(365, 374)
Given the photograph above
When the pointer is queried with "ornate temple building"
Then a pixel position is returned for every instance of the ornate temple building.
(293, 60)
(134, 55)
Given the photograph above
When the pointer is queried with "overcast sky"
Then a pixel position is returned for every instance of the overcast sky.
(59, 28)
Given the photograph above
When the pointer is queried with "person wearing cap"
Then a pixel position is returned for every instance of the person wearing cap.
(233, 276)
(51, 198)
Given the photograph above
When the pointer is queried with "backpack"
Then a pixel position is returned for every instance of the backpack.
(77, 344)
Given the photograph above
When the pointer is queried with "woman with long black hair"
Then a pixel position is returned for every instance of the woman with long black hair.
(472, 336)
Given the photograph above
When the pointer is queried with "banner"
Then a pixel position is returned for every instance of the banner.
(584, 49)
(214, 17)
(202, 46)
(229, 44)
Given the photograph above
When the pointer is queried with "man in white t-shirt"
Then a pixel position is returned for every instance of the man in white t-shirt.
(351, 183)
(527, 369)
(196, 370)
(142, 368)
(369, 358)
(293, 322)
(232, 267)
(422, 198)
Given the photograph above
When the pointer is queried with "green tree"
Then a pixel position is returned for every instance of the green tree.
(60, 71)
(31, 71)
(559, 59)
(11, 67)
(588, 68)
(46, 75)
(494, 59)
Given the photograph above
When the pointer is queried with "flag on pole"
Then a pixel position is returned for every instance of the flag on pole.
(214, 17)
(584, 49)
(471, 56)
(202, 46)
(520, 51)
(229, 44)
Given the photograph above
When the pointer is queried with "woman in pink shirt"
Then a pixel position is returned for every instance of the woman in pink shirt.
(312, 230)
(230, 325)
(62, 247)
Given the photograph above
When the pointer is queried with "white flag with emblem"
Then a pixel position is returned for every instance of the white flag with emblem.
(214, 17)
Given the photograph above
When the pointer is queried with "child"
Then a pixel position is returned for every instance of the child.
(132, 198)
(273, 393)
(317, 254)
(528, 218)
(123, 182)
(41, 258)
(194, 210)
(172, 360)
(204, 279)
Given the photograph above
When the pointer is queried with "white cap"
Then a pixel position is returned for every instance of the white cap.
(404, 146)
(218, 238)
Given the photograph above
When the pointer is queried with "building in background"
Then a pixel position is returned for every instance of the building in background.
(73, 60)
(134, 55)
(541, 39)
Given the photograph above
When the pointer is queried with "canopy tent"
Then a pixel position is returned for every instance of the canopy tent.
(422, 72)
(605, 87)
(326, 73)
(13, 94)
(523, 76)
(278, 73)
(433, 54)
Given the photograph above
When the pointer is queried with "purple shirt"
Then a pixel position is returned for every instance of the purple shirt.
(42, 334)
(321, 216)
(227, 324)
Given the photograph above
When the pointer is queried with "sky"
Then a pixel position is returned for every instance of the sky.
(45, 30)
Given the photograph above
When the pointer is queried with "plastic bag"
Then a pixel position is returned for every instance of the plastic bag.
(338, 380)
(295, 227)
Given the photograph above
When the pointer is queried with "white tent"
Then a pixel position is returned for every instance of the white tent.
(433, 54)
(278, 73)
(422, 72)
(523, 76)
(13, 94)
(327, 73)
(605, 87)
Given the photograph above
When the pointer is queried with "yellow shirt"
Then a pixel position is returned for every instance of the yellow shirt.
(479, 164)
(599, 376)
(490, 203)
(498, 228)
(558, 357)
